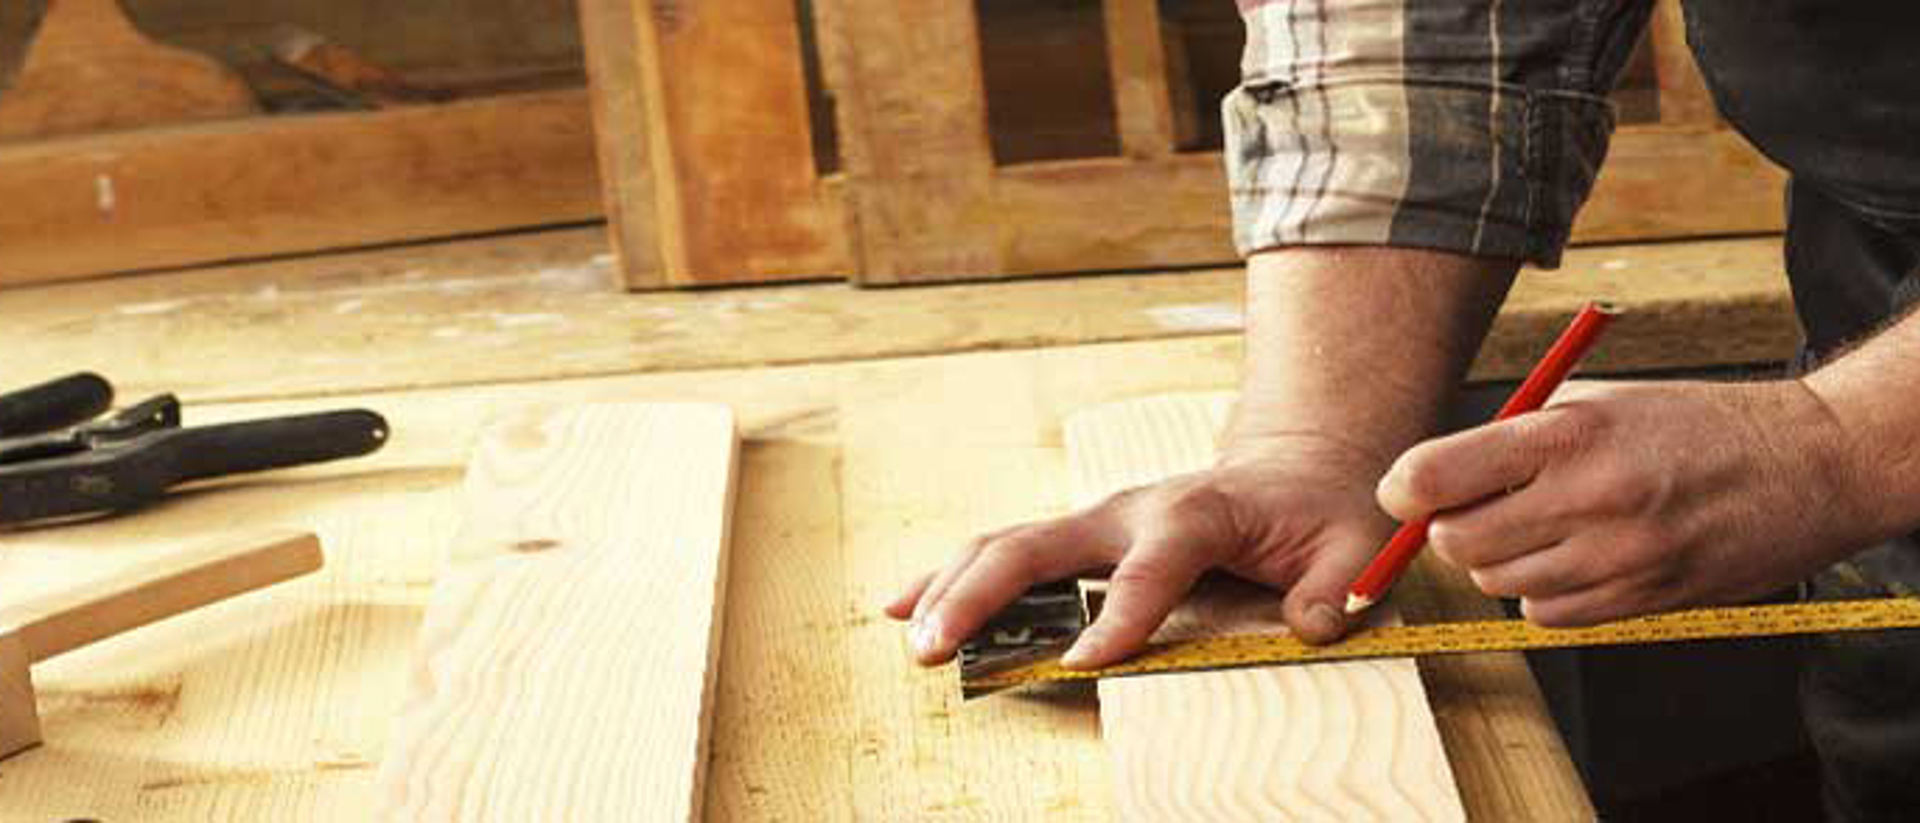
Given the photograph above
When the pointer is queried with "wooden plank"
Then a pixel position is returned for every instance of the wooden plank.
(1119, 214)
(176, 583)
(38, 628)
(1092, 215)
(927, 464)
(280, 709)
(1114, 214)
(1342, 741)
(729, 138)
(1507, 756)
(786, 585)
(246, 188)
(267, 707)
(542, 692)
(912, 116)
(1137, 62)
(1670, 182)
(1683, 92)
(542, 306)
(611, 35)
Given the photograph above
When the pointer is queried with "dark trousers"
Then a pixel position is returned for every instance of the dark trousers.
(1831, 91)
(1860, 692)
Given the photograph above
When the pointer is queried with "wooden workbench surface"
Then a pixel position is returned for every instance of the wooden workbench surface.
(856, 473)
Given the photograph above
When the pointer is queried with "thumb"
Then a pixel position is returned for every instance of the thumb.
(1315, 606)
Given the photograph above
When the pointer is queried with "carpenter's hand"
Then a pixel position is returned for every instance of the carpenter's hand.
(1294, 513)
(1629, 498)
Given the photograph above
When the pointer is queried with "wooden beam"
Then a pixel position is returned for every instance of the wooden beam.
(1341, 741)
(913, 128)
(727, 135)
(1670, 182)
(266, 186)
(566, 665)
(1137, 62)
(1113, 214)
(611, 35)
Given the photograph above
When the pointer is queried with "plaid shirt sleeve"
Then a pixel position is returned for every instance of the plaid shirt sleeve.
(1474, 126)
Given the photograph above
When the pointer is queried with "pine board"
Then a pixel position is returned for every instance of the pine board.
(1340, 741)
(853, 477)
(566, 664)
(546, 306)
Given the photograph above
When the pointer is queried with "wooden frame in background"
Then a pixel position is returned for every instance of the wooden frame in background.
(731, 193)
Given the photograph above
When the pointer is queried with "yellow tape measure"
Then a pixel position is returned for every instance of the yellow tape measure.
(1237, 651)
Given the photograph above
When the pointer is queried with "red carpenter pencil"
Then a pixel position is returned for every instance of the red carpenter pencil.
(1547, 375)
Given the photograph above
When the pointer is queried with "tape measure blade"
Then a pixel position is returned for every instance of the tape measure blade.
(1242, 651)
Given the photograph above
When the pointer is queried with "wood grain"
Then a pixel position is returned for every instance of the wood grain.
(37, 628)
(1341, 741)
(1137, 60)
(930, 204)
(725, 133)
(165, 586)
(19, 716)
(611, 34)
(90, 70)
(196, 194)
(918, 160)
(854, 476)
(542, 306)
(566, 664)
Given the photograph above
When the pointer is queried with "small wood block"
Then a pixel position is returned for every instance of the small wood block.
(19, 719)
(39, 628)
(90, 70)
(566, 665)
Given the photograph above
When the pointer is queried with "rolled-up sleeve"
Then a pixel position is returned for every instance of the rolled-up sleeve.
(1474, 126)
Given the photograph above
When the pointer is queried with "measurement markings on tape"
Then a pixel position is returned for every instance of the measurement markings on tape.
(1238, 651)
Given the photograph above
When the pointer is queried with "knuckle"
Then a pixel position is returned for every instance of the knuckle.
(1116, 502)
(1191, 500)
(1422, 476)
(1143, 572)
(1626, 491)
(1577, 422)
(1010, 551)
(1637, 547)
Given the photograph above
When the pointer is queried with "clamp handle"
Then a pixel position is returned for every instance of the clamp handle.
(55, 404)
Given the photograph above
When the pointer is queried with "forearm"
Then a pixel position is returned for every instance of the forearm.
(1360, 344)
(1872, 394)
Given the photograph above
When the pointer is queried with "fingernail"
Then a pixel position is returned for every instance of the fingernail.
(1080, 654)
(925, 634)
(1323, 620)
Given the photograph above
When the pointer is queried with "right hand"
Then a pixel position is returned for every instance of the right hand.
(1295, 512)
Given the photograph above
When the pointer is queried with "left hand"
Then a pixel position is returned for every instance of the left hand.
(1622, 499)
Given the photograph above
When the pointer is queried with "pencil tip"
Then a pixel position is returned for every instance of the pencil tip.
(1357, 604)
